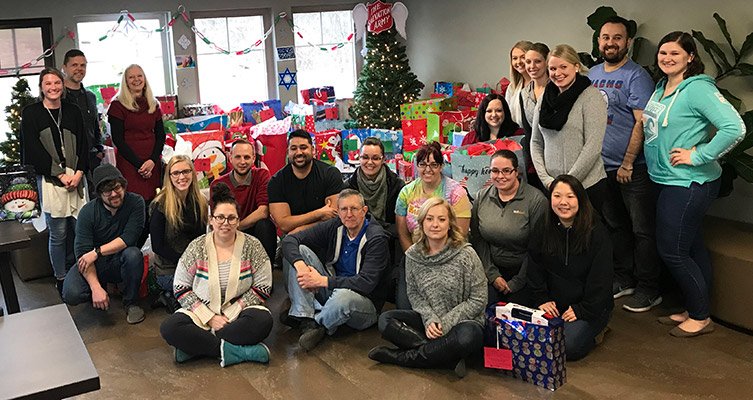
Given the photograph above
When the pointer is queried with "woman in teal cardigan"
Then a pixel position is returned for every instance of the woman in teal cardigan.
(681, 156)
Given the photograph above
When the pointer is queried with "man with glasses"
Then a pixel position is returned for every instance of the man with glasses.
(107, 230)
(346, 276)
(249, 187)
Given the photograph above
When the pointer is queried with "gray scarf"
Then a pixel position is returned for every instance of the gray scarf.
(374, 192)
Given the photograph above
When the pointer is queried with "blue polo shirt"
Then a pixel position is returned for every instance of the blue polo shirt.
(346, 262)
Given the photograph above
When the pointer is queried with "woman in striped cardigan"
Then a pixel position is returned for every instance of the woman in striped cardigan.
(221, 282)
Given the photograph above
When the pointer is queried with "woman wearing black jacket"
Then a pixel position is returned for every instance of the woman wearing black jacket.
(570, 273)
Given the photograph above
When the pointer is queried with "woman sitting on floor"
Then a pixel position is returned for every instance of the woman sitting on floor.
(222, 282)
(447, 289)
(178, 215)
(570, 273)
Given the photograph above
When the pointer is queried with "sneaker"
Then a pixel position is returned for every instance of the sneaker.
(134, 314)
(641, 302)
(313, 333)
(620, 290)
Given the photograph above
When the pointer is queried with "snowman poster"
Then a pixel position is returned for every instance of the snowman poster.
(18, 196)
(208, 155)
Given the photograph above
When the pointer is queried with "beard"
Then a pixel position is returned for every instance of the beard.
(619, 56)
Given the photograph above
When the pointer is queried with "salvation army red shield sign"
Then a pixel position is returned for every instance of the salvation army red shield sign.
(380, 17)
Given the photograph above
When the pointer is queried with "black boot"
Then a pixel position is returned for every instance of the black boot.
(402, 335)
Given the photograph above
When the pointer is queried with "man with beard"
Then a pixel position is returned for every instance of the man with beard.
(631, 208)
(106, 234)
(74, 69)
(305, 191)
(249, 187)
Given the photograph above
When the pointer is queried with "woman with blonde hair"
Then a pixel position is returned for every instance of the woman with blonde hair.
(178, 215)
(137, 132)
(447, 289)
(518, 79)
(569, 125)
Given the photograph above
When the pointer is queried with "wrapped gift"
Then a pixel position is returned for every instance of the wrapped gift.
(273, 136)
(192, 110)
(414, 136)
(207, 153)
(19, 196)
(328, 124)
(453, 121)
(457, 138)
(169, 106)
(470, 164)
(447, 88)
(325, 94)
(527, 343)
(469, 99)
(343, 107)
(260, 111)
(405, 169)
(328, 146)
(419, 109)
(235, 117)
(109, 157)
(104, 94)
(353, 139)
(201, 123)
(171, 127)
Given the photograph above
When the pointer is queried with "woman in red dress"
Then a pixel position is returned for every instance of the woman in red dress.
(137, 132)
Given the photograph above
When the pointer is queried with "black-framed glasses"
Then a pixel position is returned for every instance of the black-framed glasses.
(184, 172)
(220, 219)
(503, 171)
(424, 165)
(115, 188)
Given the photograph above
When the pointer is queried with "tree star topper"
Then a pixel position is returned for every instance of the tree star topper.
(380, 16)
(287, 79)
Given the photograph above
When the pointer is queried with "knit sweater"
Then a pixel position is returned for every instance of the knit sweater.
(197, 281)
(447, 287)
(576, 148)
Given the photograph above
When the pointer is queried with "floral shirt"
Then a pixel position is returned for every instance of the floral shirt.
(412, 197)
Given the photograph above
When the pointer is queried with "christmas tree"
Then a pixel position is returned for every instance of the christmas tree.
(385, 83)
(20, 98)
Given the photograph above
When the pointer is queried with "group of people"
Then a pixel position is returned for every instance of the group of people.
(619, 175)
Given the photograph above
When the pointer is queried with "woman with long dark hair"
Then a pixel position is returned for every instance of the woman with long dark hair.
(682, 158)
(493, 121)
(570, 272)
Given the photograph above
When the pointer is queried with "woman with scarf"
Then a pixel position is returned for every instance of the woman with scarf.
(569, 125)
(54, 142)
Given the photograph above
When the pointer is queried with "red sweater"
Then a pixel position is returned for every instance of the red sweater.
(249, 196)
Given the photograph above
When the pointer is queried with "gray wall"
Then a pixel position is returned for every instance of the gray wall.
(467, 40)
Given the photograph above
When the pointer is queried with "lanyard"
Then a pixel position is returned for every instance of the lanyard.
(57, 123)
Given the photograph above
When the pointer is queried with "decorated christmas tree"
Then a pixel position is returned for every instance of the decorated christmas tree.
(20, 98)
(386, 80)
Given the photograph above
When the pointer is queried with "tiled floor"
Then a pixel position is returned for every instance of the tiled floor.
(638, 360)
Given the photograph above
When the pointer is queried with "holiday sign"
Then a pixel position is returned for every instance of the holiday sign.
(380, 17)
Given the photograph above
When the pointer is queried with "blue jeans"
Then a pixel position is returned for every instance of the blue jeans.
(339, 306)
(630, 214)
(62, 234)
(126, 266)
(165, 282)
(579, 337)
(679, 240)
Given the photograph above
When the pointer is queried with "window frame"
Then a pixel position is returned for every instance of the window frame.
(166, 38)
(46, 25)
(269, 58)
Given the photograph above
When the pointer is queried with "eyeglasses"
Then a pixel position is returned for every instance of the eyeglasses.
(184, 172)
(220, 219)
(424, 165)
(118, 187)
(351, 210)
(374, 158)
(504, 171)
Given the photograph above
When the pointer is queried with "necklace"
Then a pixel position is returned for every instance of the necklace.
(57, 123)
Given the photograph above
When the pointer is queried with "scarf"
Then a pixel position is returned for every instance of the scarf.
(374, 193)
(556, 106)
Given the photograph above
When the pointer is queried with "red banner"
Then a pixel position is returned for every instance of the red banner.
(380, 17)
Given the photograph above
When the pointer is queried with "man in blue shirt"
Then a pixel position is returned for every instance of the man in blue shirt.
(630, 211)
(342, 264)
(107, 230)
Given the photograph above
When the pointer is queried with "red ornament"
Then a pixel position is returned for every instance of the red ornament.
(380, 17)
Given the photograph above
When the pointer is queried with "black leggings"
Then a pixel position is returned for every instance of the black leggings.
(251, 327)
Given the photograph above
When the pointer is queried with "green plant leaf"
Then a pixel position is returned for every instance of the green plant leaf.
(743, 163)
(747, 46)
(714, 52)
(723, 27)
(734, 100)
(745, 68)
(747, 141)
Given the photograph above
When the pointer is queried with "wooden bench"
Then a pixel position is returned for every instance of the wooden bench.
(730, 245)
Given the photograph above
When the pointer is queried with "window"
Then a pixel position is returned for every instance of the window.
(230, 79)
(325, 68)
(22, 41)
(129, 44)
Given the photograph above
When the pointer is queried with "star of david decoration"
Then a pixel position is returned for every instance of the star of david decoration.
(287, 79)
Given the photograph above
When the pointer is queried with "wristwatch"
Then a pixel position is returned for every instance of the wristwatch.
(98, 250)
